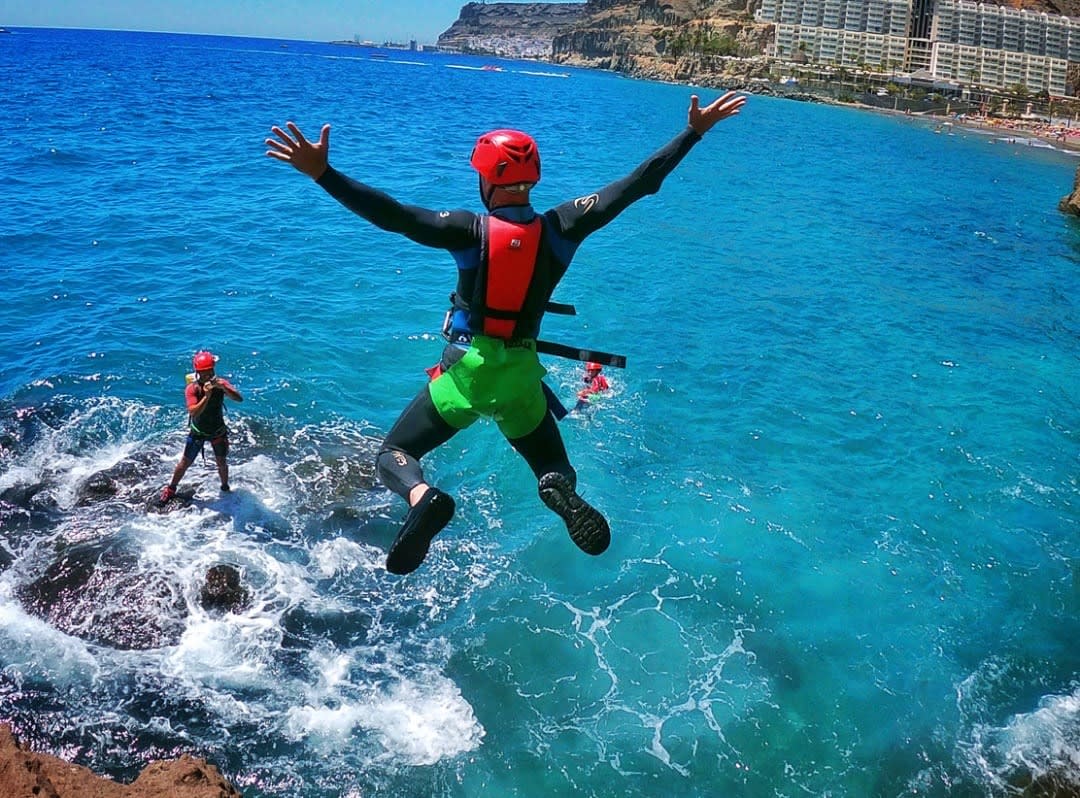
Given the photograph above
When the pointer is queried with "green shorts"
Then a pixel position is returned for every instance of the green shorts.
(495, 380)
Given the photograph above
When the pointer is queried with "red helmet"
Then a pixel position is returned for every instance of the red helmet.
(203, 361)
(592, 366)
(506, 157)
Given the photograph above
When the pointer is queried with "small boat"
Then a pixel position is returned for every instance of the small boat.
(492, 68)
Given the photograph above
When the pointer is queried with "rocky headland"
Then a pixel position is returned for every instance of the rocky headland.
(679, 40)
(509, 30)
(1070, 203)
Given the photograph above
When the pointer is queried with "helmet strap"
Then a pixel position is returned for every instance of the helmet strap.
(487, 191)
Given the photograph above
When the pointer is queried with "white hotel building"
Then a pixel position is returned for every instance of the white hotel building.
(972, 43)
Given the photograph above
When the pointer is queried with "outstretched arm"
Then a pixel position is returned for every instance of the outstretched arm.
(311, 159)
(446, 230)
(702, 119)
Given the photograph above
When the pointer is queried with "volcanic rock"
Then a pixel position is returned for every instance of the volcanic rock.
(25, 774)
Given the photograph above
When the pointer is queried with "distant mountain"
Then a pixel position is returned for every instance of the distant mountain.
(515, 30)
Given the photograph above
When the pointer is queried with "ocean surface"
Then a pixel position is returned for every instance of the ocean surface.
(841, 467)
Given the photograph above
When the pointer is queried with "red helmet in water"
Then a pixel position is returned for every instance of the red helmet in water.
(506, 158)
(593, 366)
(203, 361)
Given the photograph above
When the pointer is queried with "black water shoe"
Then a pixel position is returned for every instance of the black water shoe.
(587, 527)
(422, 524)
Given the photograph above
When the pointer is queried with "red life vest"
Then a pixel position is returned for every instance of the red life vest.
(502, 292)
(509, 299)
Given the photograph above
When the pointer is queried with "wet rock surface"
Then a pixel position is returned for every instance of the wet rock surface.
(97, 592)
(223, 591)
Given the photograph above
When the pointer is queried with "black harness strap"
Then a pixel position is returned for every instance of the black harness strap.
(584, 355)
(560, 309)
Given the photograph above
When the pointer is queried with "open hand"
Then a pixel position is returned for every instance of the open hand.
(311, 159)
(702, 119)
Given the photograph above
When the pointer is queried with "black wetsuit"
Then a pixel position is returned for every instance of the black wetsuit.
(211, 421)
(420, 428)
(209, 425)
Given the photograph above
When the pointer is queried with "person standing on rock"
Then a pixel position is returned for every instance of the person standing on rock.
(205, 399)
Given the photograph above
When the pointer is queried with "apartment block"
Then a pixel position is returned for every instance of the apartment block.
(974, 43)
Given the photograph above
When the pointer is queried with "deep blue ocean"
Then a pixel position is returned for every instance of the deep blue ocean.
(841, 467)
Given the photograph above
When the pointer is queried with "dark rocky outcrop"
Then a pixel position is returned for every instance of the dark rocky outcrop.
(25, 774)
(223, 591)
(97, 592)
(115, 480)
(30, 498)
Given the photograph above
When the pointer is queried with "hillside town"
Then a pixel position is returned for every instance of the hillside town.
(1013, 64)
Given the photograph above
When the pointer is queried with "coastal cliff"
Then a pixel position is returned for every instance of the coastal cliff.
(711, 41)
(511, 30)
(1067, 8)
(1070, 203)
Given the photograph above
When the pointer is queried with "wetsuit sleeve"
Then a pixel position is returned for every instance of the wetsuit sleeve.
(584, 215)
(452, 230)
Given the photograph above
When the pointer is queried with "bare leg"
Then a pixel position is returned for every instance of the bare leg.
(223, 470)
(179, 471)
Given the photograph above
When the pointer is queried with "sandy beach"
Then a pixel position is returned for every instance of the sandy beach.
(1011, 131)
(1019, 131)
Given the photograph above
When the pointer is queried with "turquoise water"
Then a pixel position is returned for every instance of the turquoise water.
(841, 468)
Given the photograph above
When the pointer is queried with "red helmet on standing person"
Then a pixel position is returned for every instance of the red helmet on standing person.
(203, 361)
(506, 158)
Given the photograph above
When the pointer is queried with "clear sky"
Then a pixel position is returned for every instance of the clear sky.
(315, 20)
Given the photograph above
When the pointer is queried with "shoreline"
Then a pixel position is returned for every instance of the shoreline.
(1022, 132)
(1042, 135)
(1065, 140)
